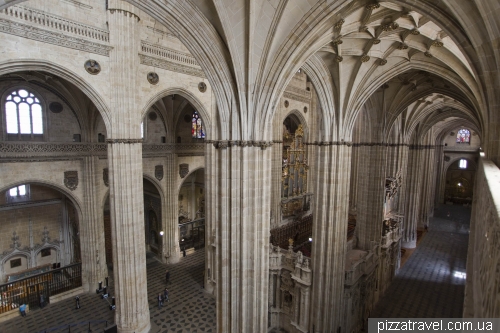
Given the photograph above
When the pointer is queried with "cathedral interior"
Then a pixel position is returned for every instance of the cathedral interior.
(298, 151)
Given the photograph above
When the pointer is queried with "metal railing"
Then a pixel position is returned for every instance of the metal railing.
(33, 289)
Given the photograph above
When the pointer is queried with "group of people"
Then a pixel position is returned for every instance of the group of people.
(164, 297)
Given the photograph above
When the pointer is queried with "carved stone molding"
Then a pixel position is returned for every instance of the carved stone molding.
(52, 37)
(125, 12)
(170, 66)
(71, 179)
(129, 141)
(224, 144)
(183, 170)
(159, 172)
(42, 147)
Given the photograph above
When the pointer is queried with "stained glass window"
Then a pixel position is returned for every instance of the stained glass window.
(463, 136)
(23, 113)
(197, 130)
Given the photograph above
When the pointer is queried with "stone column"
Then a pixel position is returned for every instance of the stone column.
(93, 251)
(331, 172)
(171, 250)
(428, 185)
(277, 161)
(371, 192)
(241, 210)
(211, 218)
(412, 202)
(125, 172)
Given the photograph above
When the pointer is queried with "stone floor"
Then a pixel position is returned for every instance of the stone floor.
(190, 309)
(432, 282)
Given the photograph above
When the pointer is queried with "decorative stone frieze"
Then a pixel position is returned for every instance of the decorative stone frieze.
(53, 29)
(170, 66)
(128, 141)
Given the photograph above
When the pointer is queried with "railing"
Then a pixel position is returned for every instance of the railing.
(192, 234)
(31, 16)
(30, 290)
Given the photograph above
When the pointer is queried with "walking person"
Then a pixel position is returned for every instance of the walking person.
(160, 301)
(165, 295)
(167, 276)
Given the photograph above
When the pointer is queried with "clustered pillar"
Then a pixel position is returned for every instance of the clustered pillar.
(125, 173)
(331, 178)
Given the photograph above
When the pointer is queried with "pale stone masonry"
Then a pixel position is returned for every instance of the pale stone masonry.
(380, 90)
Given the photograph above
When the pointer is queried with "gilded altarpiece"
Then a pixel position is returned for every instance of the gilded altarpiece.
(294, 168)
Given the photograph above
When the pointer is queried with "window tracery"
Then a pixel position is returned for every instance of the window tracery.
(23, 113)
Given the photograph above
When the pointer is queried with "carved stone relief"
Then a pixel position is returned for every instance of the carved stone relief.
(159, 172)
(153, 78)
(71, 179)
(202, 87)
(183, 169)
(92, 67)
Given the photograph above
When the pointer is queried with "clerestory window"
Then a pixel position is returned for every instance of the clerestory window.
(23, 115)
(197, 129)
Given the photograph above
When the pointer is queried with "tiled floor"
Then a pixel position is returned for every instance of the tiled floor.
(432, 282)
(429, 285)
(190, 309)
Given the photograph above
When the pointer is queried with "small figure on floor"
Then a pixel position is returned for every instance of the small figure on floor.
(160, 300)
(22, 310)
(165, 295)
(42, 301)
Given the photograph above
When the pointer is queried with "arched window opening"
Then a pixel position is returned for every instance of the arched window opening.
(462, 164)
(18, 193)
(463, 136)
(197, 130)
(23, 113)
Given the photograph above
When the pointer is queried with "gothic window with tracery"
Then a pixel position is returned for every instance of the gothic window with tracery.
(463, 136)
(23, 113)
(197, 129)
